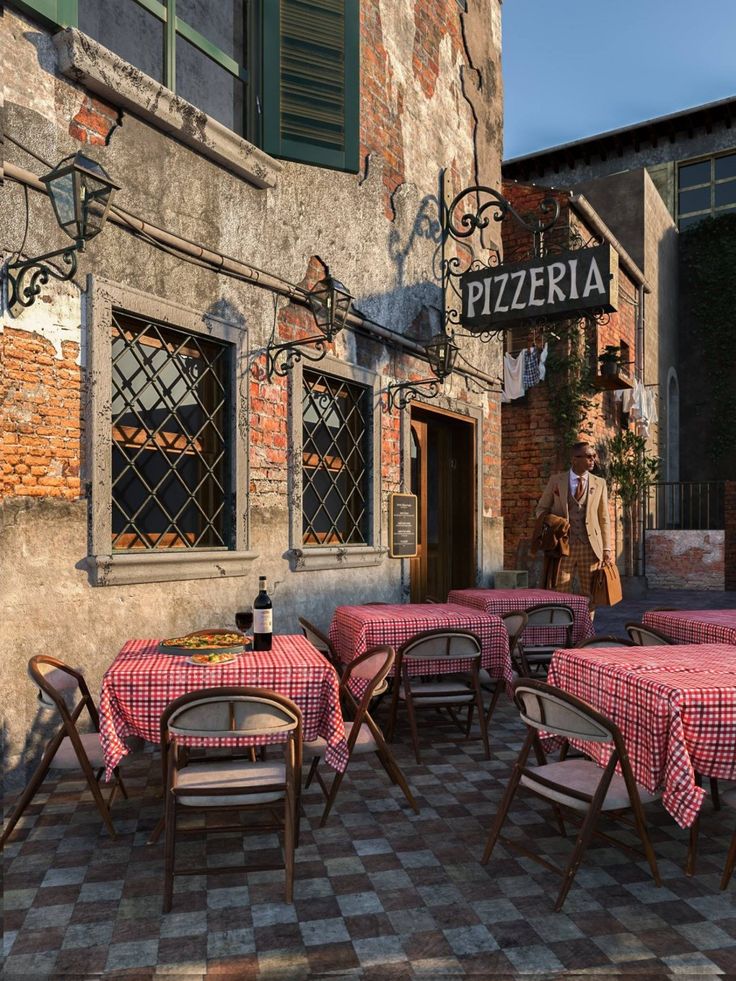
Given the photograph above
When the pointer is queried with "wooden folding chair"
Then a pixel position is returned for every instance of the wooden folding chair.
(227, 783)
(606, 640)
(322, 642)
(68, 748)
(557, 616)
(647, 636)
(437, 648)
(364, 678)
(579, 785)
(729, 798)
(514, 622)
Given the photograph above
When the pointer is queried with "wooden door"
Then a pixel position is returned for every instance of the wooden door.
(443, 478)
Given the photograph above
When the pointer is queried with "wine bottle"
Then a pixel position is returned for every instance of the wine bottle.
(262, 618)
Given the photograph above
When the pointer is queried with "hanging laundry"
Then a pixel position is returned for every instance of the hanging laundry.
(531, 367)
(513, 376)
(543, 363)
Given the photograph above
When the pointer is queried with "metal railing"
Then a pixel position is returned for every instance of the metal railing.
(685, 505)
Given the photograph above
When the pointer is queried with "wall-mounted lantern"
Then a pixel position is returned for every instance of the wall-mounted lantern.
(81, 194)
(330, 304)
(441, 353)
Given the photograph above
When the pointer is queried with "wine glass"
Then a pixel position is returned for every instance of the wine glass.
(244, 620)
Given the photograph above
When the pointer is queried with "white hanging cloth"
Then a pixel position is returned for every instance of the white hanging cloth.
(543, 362)
(513, 377)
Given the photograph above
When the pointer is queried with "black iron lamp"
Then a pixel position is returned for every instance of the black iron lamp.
(330, 304)
(441, 353)
(81, 194)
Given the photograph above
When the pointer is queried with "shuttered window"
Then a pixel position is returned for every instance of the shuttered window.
(310, 81)
(297, 97)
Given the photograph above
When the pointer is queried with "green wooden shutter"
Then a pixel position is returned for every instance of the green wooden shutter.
(311, 68)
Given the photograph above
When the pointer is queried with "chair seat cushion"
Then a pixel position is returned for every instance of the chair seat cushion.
(584, 776)
(227, 775)
(365, 743)
(67, 759)
(440, 692)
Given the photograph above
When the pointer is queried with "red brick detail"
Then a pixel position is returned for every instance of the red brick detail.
(94, 122)
(40, 419)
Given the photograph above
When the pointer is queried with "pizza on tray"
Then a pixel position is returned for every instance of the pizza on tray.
(205, 640)
(212, 658)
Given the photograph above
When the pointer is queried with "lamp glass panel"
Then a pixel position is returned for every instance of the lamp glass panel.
(61, 189)
(95, 198)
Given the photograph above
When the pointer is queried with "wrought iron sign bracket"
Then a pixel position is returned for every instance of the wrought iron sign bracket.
(37, 271)
(281, 358)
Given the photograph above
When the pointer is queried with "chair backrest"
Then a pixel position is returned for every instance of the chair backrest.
(606, 640)
(319, 640)
(372, 669)
(544, 707)
(56, 682)
(550, 615)
(514, 622)
(441, 645)
(646, 637)
(213, 713)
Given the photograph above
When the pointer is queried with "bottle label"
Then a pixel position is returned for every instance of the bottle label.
(262, 621)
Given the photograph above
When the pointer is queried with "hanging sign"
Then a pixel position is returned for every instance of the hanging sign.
(402, 526)
(553, 286)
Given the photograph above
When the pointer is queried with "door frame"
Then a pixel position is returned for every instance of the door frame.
(465, 413)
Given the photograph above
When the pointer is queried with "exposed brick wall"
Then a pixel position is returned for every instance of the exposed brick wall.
(40, 419)
(94, 122)
(685, 559)
(532, 449)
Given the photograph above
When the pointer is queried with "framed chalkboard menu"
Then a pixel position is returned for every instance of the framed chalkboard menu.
(402, 526)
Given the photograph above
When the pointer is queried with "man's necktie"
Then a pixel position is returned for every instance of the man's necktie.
(580, 489)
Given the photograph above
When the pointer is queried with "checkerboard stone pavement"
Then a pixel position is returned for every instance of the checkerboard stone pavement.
(380, 893)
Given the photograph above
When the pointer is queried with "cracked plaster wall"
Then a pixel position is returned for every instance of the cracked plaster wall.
(389, 265)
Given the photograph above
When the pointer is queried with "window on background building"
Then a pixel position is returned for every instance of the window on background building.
(706, 188)
(303, 105)
(171, 440)
(336, 461)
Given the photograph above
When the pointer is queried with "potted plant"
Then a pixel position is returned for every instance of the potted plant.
(629, 470)
(610, 361)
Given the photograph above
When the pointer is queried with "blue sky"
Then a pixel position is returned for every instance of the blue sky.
(577, 67)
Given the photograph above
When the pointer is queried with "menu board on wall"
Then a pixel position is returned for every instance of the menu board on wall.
(402, 526)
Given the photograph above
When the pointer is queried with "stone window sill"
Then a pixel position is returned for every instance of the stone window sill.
(85, 61)
(123, 569)
(335, 557)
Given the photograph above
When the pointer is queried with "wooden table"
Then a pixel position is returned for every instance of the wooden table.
(500, 601)
(675, 707)
(694, 626)
(141, 682)
(355, 629)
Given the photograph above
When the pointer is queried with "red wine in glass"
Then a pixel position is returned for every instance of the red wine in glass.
(244, 620)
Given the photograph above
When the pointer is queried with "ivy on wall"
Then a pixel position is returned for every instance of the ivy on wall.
(570, 378)
(707, 266)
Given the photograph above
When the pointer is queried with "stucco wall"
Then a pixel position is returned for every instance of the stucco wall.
(685, 559)
(431, 98)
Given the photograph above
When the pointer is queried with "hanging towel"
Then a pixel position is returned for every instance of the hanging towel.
(513, 376)
(531, 367)
(543, 363)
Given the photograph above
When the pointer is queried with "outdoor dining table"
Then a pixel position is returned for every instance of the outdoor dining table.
(141, 682)
(355, 629)
(694, 626)
(500, 601)
(675, 707)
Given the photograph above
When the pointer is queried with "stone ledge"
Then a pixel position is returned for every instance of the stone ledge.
(115, 80)
(126, 568)
(335, 557)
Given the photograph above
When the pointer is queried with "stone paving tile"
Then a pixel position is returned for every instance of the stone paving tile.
(379, 893)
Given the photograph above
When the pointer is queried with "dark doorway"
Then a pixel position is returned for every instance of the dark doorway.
(443, 478)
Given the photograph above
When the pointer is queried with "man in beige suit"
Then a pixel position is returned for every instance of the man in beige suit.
(582, 499)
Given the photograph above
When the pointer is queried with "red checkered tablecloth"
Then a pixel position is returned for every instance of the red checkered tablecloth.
(141, 682)
(355, 629)
(694, 626)
(675, 707)
(500, 601)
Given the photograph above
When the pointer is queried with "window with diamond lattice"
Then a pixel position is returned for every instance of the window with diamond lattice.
(335, 461)
(171, 446)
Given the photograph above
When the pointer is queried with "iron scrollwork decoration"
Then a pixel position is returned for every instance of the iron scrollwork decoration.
(81, 193)
(329, 302)
(441, 354)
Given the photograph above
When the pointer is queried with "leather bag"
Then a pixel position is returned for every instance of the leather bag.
(606, 586)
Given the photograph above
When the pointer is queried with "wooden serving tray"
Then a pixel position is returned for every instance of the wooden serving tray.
(196, 643)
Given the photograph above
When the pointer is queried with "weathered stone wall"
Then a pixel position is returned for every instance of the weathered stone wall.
(430, 99)
(685, 559)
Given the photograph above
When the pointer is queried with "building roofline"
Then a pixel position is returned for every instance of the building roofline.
(668, 121)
